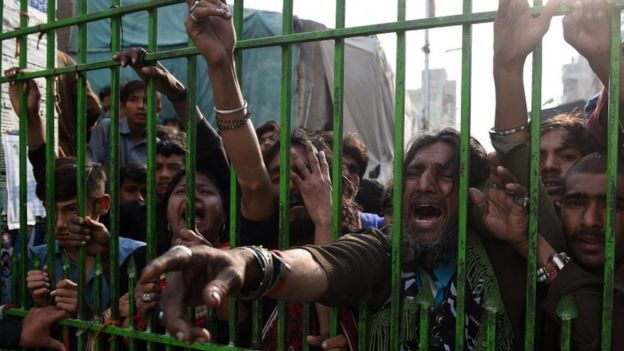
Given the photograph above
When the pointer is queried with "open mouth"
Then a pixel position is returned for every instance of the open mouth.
(295, 199)
(427, 212)
(199, 215)
(552, 186)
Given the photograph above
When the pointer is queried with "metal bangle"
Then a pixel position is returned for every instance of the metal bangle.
(265, 259)
(232, 111)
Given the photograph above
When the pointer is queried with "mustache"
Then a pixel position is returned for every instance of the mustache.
(597, 234)
(440, 203)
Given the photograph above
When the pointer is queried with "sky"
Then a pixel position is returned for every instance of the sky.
(444, 45)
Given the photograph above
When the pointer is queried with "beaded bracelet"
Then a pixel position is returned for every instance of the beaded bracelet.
(232, 111)
(229, 124)
(515, 130)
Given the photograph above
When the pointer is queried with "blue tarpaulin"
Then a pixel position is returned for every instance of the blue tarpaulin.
(261, 67)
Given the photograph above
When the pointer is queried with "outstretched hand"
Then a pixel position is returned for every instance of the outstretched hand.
(503, 210)
(200, 275)
(209, 25)
(517, 32)
(166, 83)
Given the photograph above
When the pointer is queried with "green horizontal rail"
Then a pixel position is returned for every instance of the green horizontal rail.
(91, 17)
(329, 34)
(130, 333)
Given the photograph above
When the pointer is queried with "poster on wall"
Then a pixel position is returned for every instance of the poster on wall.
(10, 144)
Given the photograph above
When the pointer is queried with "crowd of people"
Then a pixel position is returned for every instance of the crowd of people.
(204, 270)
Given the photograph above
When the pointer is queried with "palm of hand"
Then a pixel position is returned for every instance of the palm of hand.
(588, 37)
(504, 218)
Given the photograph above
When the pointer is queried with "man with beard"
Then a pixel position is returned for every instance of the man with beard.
(357, 266)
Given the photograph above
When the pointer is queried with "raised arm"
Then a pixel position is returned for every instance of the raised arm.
(588, 29)
(516, 33)
(210, 27)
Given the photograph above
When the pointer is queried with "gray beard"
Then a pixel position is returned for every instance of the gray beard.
(427, 255)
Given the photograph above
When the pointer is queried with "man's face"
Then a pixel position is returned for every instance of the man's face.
(267, 139)
(583, 214)
(66, 210)
(297, 206)
(166, 168)
(134, 110)
(132, 191)
(209, 211)
(556, 158)
(430, 197)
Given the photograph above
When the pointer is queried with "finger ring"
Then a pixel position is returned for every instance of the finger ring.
(181, 247)
(194, 6)
(147, 298)
(193, 17)
(522, 201)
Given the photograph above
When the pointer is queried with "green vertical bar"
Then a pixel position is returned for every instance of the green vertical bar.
(612, 176)
(464, 172)
(23, 142)
(397, 192)
(114, 174)
(132, 277)
(50, 146)
(424, 299)
(98, 284)
(337, 127)
(152, 35)
(534, 179)
(284, 177)
(234, 195)
(566, 311)
(362, 326)
(81, 160)
(191, 136)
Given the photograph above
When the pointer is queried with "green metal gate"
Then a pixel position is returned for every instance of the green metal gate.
(285, 41)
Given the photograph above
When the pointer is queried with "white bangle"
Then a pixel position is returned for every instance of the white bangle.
(232, 111)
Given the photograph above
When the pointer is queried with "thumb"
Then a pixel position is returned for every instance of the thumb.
(51, 343)
(200, 334)
(226, 282)
(315, 340)
(480, 200)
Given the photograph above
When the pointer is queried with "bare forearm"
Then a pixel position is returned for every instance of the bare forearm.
(242, 145)
(305, 282)
(36, 131)
(511, 107)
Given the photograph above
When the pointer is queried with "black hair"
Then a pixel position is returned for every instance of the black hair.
(130, 88)
(134, 172)
(577, 136)
(168, 148)
(479, 165)
(354, 147)
(269, 126)
(594, 163)
(67, 178)
(104, 92)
